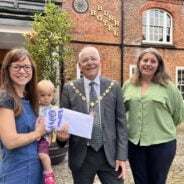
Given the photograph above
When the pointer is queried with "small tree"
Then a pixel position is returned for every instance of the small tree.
(48, 43)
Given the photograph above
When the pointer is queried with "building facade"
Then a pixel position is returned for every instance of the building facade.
(98, 23)
(122, 29)
(159, 24)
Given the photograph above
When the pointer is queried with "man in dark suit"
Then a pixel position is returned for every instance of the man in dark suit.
(106, 153)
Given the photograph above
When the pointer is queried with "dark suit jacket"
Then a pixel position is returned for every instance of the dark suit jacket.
(113, 121)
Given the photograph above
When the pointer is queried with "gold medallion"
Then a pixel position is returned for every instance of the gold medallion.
(92, 104)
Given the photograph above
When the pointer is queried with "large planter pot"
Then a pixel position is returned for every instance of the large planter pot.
(57, 153)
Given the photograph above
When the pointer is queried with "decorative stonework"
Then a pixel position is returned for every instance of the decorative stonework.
(80, 6)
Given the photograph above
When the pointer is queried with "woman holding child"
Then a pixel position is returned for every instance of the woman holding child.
(19, 126)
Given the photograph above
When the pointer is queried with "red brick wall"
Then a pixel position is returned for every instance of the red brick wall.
(172, 59)
(90, 28)
(110, 59)
(133, 33)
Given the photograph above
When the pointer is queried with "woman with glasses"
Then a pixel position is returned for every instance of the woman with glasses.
(19, 126)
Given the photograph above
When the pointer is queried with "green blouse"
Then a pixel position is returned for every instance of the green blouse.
(153, 117)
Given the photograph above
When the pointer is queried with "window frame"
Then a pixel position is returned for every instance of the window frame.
(148, 25)
(177, 83)
(131, 68)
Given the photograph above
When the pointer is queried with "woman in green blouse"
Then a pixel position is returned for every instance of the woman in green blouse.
(154, 108)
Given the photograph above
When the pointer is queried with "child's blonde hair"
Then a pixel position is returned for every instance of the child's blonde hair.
(45, 85)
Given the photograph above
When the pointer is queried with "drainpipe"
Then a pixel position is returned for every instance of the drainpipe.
(122, 41)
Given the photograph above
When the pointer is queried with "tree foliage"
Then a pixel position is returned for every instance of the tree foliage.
(48, 43)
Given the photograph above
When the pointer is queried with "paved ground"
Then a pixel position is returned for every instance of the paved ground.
(176, 174)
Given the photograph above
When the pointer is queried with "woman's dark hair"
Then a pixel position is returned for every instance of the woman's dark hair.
(7, 84)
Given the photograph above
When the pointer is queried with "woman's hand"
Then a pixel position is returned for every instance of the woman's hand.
(40, 126)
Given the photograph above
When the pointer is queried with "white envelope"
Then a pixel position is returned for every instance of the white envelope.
(80, 124)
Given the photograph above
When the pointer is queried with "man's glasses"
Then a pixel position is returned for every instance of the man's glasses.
(16, 67)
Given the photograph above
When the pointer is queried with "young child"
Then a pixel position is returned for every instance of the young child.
(46, 91)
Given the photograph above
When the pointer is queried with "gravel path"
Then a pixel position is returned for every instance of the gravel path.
(176, 174)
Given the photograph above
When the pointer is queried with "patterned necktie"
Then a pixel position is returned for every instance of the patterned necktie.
(96, 140)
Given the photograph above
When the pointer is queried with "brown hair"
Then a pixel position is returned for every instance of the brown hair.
(160, 76)
(6, 82)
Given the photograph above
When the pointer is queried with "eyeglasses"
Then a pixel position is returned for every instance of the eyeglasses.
(16, 67)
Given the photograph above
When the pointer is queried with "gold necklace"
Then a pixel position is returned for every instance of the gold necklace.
(92, 104)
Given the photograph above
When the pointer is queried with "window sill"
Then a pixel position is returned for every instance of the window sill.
(158, 44)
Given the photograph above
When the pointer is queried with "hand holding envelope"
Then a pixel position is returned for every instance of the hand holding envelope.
(80, 124)
(63, 134)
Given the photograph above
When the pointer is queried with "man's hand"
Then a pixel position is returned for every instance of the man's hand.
(63, 134)
(120, 164)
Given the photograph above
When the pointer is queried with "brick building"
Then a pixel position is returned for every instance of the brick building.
(155, 23)
(122, 29)
(98, 23)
